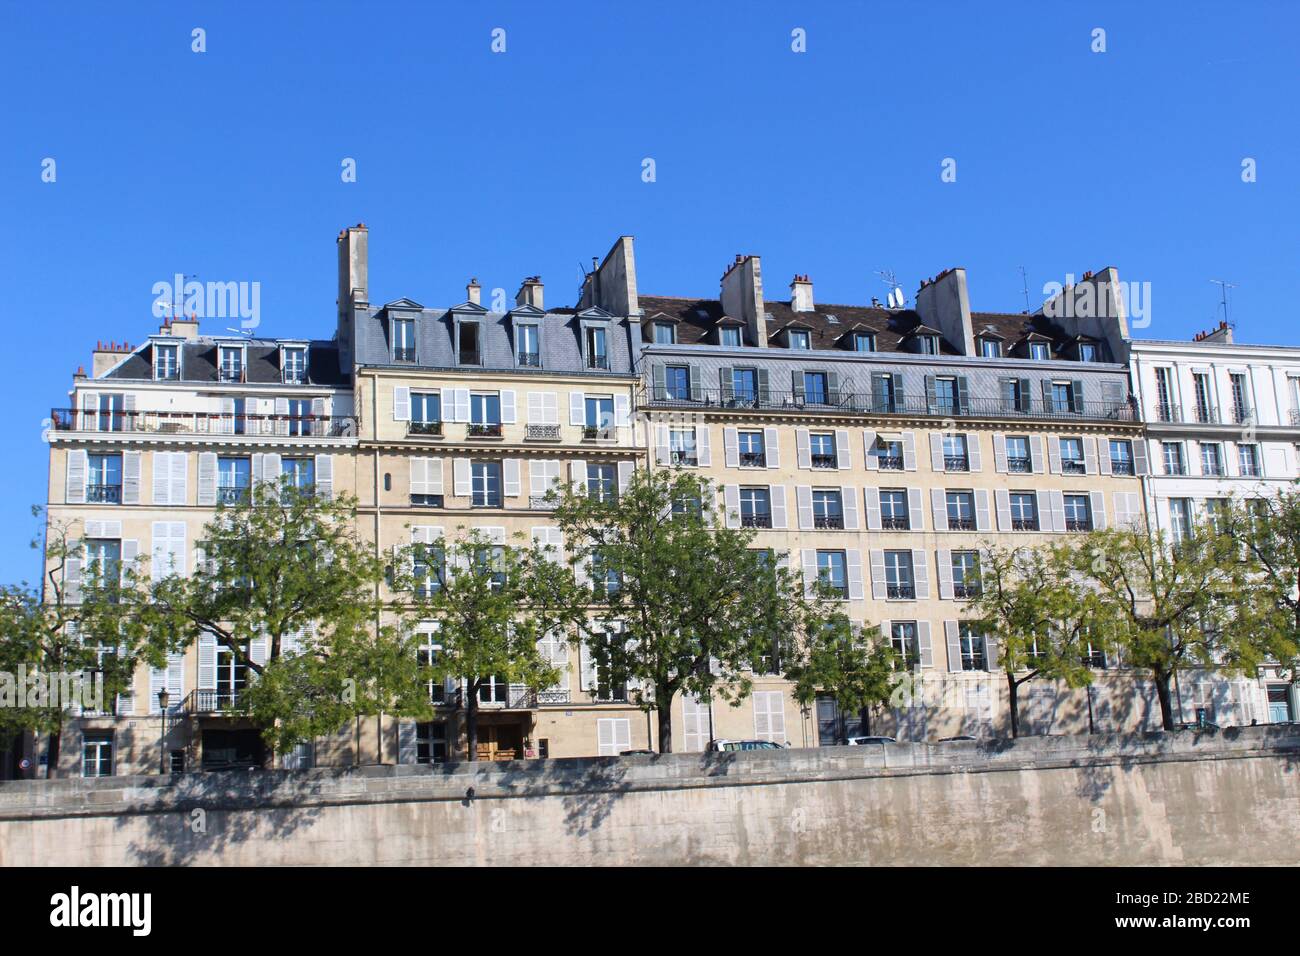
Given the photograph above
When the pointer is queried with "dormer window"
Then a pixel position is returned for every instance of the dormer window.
(1088, 352)
(403, 340)
(1039, 351)
(528, 346)
(990, 348)
(927, 344)
(231, 363)
(729, 336)
(166, 363)
(863, 342)
(596, 342)
(665, 333)
(467, 344)
(295, 365)
(799, 339)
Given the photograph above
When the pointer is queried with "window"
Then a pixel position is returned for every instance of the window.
(1018, 460)
(426, 413)
(607, 687)
(831, 571)
(1205, 411)
(1248, 459)
(1072, 462)
(1240, 401)
(597, 348)
(599, 417)
(799, 339)
(166, 362)
(301, 473)
(97, 754)
(295, 365)
(827, 511)
(945, 396)
(1180, 518)
(112, 414)
(864, 342)
(1062, 396)
(429, 569)
(927, 344)
(1173, 456)
(902, 634)
(729, 336)
(1217, 511)
(965, 574)
(469, 343)
(961, 511)
(300, 418)
(1166, 411)
(426, 654)
(602, 482)
(528, 347)
(490, 561)
(687, 507)
(677, 383)
(485, 414)
(103, 566)
(232, 675)
(232, 363)
(665, 333)
(1078, 513)
(681, 446)
(990, 348)
(403, 340)
(485, 484)
(431, 742)
(605, 577)
(104, 479)
(898, 575)
(239, 420)
(744, 385)
(755, 508)
(494, 689)
(1039, 351)
(822, 448)
(233, 479)
(1015, 398)
(889, 455)
(814, 388)
(955, 457)
(1024, 511)
(1211, 459)
(972, 647)
(894, 510)
(884, 392)
(1121, 456)
(1088, 352)
(752, 451)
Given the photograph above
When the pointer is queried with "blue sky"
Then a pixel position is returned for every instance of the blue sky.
(226, 164)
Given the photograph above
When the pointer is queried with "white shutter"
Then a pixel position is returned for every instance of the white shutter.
(587, 677)
(460, 477)
(731, 504)
(510, 472)
(460, 399)
(162, 465)
(915, 510)
(939, 508)
(909, 451)
(1103, 456)
(973, 451)
(873, 509)
(869, 445)
(853, 563)
(945, 575)
(1058, 511)
(952, 636)
(703, 453)
(1036, 453)
(577, 408)
(1043, 503)
(1054, 454)
(803, 498)
(877, 558)
(1000, 453)
(625, 470)
(731, 447)
(843, 458)
(168, 549)
(849, 502)
(408, 742)
(508, 413)
(809, 569)
(983, 518)
(75, 492)
(207, 478)
(578, 474)
(420, 476)
(921, 574)
(803, 447)
(661, 445)
(537, 408)
(622, 411)
(180, 478)
(401, 404)
(1090, 454)
(776, 494)
(1003, 499)
(325, 476)
(772, 447)
(130, 477)
(936, 451)
(207, 662)
(923, 643)
(1098, 503)
(433, 476)
(258, 648)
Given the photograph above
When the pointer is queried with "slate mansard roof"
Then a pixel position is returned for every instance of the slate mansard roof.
(262, 362)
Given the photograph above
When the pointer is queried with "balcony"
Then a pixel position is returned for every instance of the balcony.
(1168, 413)
(964, 592)
(1024, 524)
(597, 433)
(541, 433)
(1242, 415)
(1175, 468)
(104, 494)
(540, 503)
(1019, 465)
(900, 592)
(824, 522)
(869, 405)
(756, 520)
(530, 360)
(211, 701)
(679, 457)
(484, 430)
(428, 429)
(516, 698)
(204, 423)
(890, 462)
(1073, 466)
(1122, 466)
(825, 461)
(961, 524)
(1295, 416)
(891, 523)
(554, 696)
(1078, 524)
(749, 459)
(1207, 414)
(403, 355)
(232, 494)
(956, 463)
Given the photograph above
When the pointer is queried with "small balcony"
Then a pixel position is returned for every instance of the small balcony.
(484, 430)
(530, 360)
(900, 592)
(1024, 524)
(1207, 414)
(965, 592)
(1168, 413)
(956, 463)
(757, 520)
(104, 494)
(679, 457)
(831, 522)
(597, 433)
(540, 503)
(232, 494)
(541, 433)
(750, 459)
(212, 701)
(1122, 466)
(403, 355)
(554, 696)
(427, 429)
(891, 523)
(1073, 466)
(1019, 466)
(1243, 414)
(890, 462)
(961, 524)
(1078, 524)
(825, 461)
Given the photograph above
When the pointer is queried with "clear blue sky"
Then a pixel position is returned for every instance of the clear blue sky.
(227, 163)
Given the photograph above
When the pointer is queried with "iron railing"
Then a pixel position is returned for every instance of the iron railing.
(903, 591)
(530, 360)
(1168, 413)
(961, 524)
(1242, 414)
(424, 428)
(890, 462)
(1019, 465)
(211, 701)
(889, 523)
(232, 494)
(1207, 414)
(104, 494)
(825, 461)
(756, 521)
(403, 355)
(965, 591)
(204, 423)
(956, 463)
(542, 432)
(484, 430)
(1024, 524)
(750, 459)
(828, 521)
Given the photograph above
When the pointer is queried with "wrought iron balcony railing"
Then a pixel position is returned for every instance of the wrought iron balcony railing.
(1168, 413)
(424, 428)
(750, 459)
(1078, 524)
(890, 462)
(965, 592)
(901, 591)
(956, 463)
(1073, 466)
(530, 360)
(828, 521)
(1019, 465)
(1242, 414)
(1024, 524)
(758, 520)
(1207, 414)
(232, 494)
(1121, 466)
(204, 423)
(484, 430)
(212, 701)
(104, 494)
(403, 355)
(542, 433)
(891, 523)
(961, 524)
(825, 461)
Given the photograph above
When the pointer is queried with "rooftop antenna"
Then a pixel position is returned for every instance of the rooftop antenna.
(1224, 287)
(895, 298)
(1024, 282)
(178, 296)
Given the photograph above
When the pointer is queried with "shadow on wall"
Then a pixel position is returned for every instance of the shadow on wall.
(596, 791)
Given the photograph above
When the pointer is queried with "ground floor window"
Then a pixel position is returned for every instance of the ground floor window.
(431, 742)
(769, 716)
(613, 736)
(97, 754)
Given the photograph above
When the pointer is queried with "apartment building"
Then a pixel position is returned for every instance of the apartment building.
(1222, 425)
(147, 445)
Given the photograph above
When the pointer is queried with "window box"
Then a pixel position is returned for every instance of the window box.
(483, 430)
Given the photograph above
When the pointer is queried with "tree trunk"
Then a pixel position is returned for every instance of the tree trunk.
(52, 754)
(471, 724)
(865, 714)
(1013, 699)
(664, 709)
(1162, 679)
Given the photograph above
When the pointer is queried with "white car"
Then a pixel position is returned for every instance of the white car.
(729, 745)
(864, 741)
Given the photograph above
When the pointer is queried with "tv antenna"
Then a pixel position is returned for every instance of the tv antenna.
(178, 296)
(895, 299)
(1224, 287)
(1024, 282)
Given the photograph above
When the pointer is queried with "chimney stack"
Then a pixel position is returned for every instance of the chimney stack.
(742, 297)
(801, 294)
(474, 292)
(354, 292)
(106, 355)
(611, 285)
(530, 293)
(943, 303)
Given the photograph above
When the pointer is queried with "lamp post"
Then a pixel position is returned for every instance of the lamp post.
(164, 699)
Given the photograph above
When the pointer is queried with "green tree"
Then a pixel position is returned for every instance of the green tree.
(851, 664)
(1171, 605)
(1267, 530)
(694, 602)
(1033, 603)
(492, 604)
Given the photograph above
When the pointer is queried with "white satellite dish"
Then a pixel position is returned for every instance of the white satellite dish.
(899, 297)
(889, 299)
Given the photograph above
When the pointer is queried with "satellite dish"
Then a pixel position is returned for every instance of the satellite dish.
(899, 297)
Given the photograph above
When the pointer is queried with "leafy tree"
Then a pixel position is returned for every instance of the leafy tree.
(1267, 530)
(284, 569)
(1171, 605)
(837, 659)
(695, 603)
(491, 604)
(1041, 615)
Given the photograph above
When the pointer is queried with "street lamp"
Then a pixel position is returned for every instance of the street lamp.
(164, 699)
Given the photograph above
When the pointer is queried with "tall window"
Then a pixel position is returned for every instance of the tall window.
(990, 348)
(97, 754)
(299, 416)
(1039, 351)
(232, 675)
(470, 353)
(1062, 396)
(889, 455)
(426, 413)
(1211, 459)
(815, 388)
(681, 446)
(752, 452)
(1014, 398)
(1072, 461)
(898, 575)
(485, 484)
(602, 482)
(1240, 398)
(605, 577)
(1024, 511)
(597, 348)
(104, 479)
(166, 362)
(902, 635)
(945, 396)
(831, 571)
(233, 478)
(893, 510)
(965, 574)
(1078, 513)
(1018, 459)
(972, 647)
(1248, 458)
(755, 508)
(864, 342)
(1121, 456)
(955, 456)
(600, 417)
(431, 742)
(884, 395)
(1180, 518)
(677, 383)
(232, 363)
(301, 473)
(403, 340)
(428, 570)
(822, 447)
(103, 561)
(485, 413)
(112, 413)
(528, 345)
(1173, 456)
(1088, 352)
(295, 365)
(1204, 403)
(827, 512)
(961, 510)
(1165, 410)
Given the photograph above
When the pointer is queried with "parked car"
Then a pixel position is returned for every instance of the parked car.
(729, 745)
(864, 741)
(948, 740)
(635, 753)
